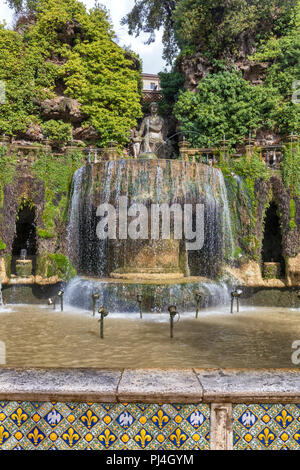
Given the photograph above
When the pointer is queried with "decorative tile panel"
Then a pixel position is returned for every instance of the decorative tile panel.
(81, 426)
(271, 427)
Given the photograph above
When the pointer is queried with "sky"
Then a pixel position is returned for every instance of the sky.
(150, 54)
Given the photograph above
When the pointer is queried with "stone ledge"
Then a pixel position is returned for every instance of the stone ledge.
(85, 385)
(250, 386)
(160, 386)
(151, 385)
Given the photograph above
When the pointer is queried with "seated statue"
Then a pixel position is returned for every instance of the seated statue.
(151, 132)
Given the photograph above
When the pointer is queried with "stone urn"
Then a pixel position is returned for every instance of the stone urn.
(24, 267)
(272, 270)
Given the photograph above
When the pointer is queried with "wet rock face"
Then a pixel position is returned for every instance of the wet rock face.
(62, 108)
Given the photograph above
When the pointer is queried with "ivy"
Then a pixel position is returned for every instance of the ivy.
(56, 172)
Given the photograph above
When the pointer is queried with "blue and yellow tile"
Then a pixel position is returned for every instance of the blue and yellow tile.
(271, 427)
(79, 426)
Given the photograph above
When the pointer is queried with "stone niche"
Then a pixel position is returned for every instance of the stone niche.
(293, 271)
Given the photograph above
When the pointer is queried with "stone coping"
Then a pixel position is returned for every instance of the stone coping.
(151, 385)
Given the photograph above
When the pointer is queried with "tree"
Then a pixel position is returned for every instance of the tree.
(149, 16)
(70, 49)
(283, 55)
(229, 28)
(22, 5)
(224, 105)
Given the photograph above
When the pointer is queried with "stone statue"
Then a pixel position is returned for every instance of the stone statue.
(136, 141)
(151, 132)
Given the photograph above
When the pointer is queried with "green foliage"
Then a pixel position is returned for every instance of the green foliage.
(243, 200)
(69, 48)
(251, 168)
(283, 54)
(56, 172)
(2, 245)
(55, 265)
(149, 16)
(171, 84)
(22, 5)
(290, 167)
(57, 131)
(7, 168)
(292, 214)
(223, 28)
(224, 104)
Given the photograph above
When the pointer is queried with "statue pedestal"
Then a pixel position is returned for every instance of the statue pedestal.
(157, 259)
(24, 267)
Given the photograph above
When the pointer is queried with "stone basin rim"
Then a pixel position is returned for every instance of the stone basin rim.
(113, 385)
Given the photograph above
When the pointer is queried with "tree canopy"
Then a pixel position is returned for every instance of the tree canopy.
(224, 105)
(215, 27)
(70, 51)
(226, 28)
(148, 16)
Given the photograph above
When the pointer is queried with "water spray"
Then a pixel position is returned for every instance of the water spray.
(95, 297)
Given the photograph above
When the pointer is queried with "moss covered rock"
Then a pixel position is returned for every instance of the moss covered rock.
(51, 265)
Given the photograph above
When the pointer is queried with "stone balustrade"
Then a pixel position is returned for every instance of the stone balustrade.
(27, 153)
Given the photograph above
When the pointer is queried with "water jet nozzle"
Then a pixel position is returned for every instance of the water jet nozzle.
(236, 294)
(61, 295)
(104, 313)
(198, 297)
(173, 312)
(139, 299)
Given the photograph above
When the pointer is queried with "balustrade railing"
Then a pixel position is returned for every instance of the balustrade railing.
(27, 153)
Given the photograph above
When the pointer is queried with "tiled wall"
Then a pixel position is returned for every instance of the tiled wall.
(53, 425)
(272, 427)
(34, 425)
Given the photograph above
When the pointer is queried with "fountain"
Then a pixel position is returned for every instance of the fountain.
(120, 265)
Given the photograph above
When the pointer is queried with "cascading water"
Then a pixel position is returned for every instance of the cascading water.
(119, 297)
(147, 182)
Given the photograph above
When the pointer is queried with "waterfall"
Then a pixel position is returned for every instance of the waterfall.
(147, 182)
(75, 211)
(119, 297)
